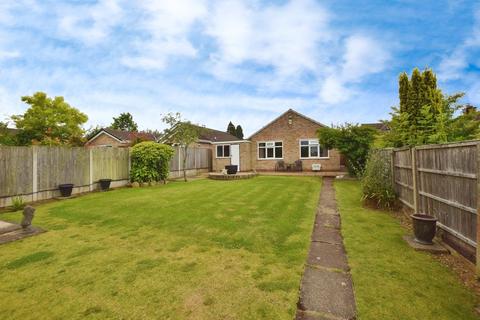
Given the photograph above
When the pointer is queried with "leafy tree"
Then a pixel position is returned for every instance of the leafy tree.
(124, 122)
(353, 142)
(426, 115)
(150, 161)
(403, 85)
(6, 137)
(239, 132)
(182, 133)
(49, 122)
(231, 129)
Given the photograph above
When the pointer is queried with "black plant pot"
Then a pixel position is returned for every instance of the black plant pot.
(231, 169)
(424, 228)
(66, 189)
(105, 184)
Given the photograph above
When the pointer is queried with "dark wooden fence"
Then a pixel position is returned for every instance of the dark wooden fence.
(442, 181)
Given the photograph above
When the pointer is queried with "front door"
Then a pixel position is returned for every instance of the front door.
(235, 155)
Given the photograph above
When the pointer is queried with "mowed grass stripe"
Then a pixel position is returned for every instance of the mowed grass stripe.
(391, 280)
(198, 250)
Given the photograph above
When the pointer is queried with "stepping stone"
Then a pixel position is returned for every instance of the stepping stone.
(324, 234)
(327, 255)
(6, 227)
(327, 211)
(328, 293)
(328, 220)
(302, 315)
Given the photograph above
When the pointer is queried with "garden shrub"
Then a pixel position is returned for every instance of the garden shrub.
(377, 181)
(353, 141)
(150, 161)
(18, 204)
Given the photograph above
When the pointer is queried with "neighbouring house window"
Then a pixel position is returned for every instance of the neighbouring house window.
(270, 150)
(311, 148)
(223, 151)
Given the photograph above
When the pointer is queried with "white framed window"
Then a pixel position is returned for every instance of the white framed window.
(223, 151)
(311, 149)
(270, 150)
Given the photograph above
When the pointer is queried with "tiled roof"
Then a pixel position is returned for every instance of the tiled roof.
(130, 135)
(213, 135)
(291, 111)
(206, 134)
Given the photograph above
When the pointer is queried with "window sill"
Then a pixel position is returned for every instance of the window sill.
(222, 157)
(262, 159)
(317, 158)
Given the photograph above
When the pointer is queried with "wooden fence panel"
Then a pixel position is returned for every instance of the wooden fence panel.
(448, 186)
(16, 171)
(191, 158)
(204, 158)
(110, 163)
(197, 158)
(57, 165)
(402, 176)
(36, 172)
(442, 181)
(175, 163)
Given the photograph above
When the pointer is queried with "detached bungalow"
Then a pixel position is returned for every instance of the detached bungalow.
(107, 137)
(289, 142)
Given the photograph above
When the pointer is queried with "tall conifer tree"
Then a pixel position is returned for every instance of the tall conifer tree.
(231, 128)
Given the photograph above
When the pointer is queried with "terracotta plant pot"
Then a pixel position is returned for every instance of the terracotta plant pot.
(424, 228)
(105, 184)
(65, 189)
(231, 169)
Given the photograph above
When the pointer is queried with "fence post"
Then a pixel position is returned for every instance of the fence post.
(195, 158)
(34, 173)
(180, 155)
(91, 169)
(415, 182)
(129, 163)
(478, 210)
(392, 167)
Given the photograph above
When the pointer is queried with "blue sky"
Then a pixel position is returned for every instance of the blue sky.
(244, 61)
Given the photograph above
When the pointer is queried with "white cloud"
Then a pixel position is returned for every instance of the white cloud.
(90, 24)
(283, 37)
(4, 55)
(168, 24)
(453, 65)
(362, 56)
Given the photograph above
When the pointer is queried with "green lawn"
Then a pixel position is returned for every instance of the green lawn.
(391, 280)
(201, 250)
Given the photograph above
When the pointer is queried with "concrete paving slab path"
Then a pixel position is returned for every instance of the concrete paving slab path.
(326, 290)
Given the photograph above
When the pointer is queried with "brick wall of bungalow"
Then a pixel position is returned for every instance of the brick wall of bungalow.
(290, 128)
(245, 161)
(105, 140)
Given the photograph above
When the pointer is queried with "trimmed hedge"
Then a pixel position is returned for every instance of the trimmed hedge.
(150, 161)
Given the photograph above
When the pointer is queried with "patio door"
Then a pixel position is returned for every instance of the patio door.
(235, 155)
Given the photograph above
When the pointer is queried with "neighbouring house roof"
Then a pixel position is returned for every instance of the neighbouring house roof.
(213, 135)
(209, 135)
(12, 131)
(291, 111)
(125, 136)
(380, 126)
